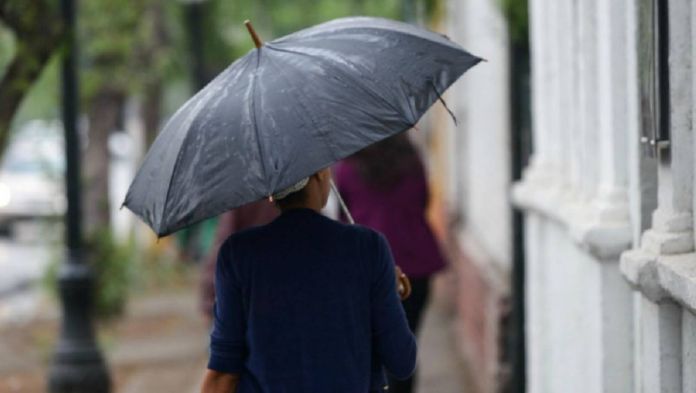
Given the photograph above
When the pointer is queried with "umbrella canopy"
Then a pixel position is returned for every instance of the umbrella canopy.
(287, 109)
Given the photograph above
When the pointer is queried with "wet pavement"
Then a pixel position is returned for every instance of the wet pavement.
(23, 262)
(160, 345)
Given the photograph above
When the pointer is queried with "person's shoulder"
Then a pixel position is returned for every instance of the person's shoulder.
(360, 232)
(245, 237)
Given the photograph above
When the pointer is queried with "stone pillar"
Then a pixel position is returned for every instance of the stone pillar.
(672, 229)
(659, 346)
(587, 138)
(688, 351)
(613, 122)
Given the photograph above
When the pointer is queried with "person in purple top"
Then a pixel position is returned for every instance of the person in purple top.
(385, 188)
(307, 304)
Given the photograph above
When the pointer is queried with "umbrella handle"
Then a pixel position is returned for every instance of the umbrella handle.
(403, 284)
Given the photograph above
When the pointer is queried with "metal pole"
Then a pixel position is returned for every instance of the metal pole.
(520, 151)
(77, 365)
(194, 20)
(342, 203)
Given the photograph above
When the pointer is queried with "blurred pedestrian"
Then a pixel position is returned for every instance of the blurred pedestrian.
(307, 304)
(244, 217)
(385, 188)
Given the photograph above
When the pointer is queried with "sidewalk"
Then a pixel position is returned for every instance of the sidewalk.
(441, 369)
(160, 346)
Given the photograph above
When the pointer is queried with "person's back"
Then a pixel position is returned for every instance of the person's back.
(307, 304)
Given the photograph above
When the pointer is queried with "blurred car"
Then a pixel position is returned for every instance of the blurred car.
(31, 175)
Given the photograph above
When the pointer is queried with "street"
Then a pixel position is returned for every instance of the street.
(23, 261)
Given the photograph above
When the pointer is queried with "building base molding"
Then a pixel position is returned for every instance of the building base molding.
(599, 225)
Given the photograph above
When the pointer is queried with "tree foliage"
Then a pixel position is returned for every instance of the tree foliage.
(143, 48)
(517, 13)
(275, 18)
(119, 45)
(37, 29)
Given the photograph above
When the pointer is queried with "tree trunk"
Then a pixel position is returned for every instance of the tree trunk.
(38, 31)
(152, 50)
(104, 113)
(152, 111)
(14, 86)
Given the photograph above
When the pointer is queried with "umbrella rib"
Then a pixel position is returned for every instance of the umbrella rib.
(304, 107)
(252, 105)
(199, 107)
(165, 202)
(334, 67)
(337, 29)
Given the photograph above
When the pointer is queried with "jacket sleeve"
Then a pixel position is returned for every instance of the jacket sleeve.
(228, 349)
(394, 343)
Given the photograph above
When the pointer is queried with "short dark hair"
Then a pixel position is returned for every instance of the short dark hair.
(299, 196)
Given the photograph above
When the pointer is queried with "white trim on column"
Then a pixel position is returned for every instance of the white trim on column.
(598, 221)
(672, 229)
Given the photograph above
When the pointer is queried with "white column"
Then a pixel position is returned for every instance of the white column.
(555, 104)
(541, 17)
(535, 281)
(574, 129)
(672, 221)
(588, 139)
(564, 68)
(688, 352)
(660, 368)
(613, 123)
(642, 171)
(541, 87)
(616, 318)
(693, 104)
(659, 321)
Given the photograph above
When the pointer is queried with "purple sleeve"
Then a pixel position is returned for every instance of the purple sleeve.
(422, 191)
(394, 343)
(227, 341)
(226, 226)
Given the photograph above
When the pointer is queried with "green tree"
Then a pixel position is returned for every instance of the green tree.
(38, 31)
(516, 12)
(227, 39)
(124, 52)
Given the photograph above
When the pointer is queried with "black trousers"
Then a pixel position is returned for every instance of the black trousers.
(414, 305)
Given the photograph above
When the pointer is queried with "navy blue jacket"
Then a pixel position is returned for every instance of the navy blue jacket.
(306, 304)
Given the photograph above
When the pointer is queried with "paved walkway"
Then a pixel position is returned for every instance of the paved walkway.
(440, 368)
(160, 346)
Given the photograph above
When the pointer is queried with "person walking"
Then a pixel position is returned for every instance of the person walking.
(244, 217)
(307, 304)
(385, 188)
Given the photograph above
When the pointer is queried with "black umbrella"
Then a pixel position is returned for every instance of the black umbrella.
(287, 109)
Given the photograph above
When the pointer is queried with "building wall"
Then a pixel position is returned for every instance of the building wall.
(576, 200)
(477, 183)
(611, 268)
(661, 265)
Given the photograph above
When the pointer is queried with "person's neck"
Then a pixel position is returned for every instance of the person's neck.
(307, 205)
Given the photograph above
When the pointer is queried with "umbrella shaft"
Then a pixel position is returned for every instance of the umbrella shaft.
(342, 203)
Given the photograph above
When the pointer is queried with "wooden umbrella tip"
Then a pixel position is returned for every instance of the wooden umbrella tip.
(252, 33)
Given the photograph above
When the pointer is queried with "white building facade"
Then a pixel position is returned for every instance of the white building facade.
(608, 197)
(476, 187)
